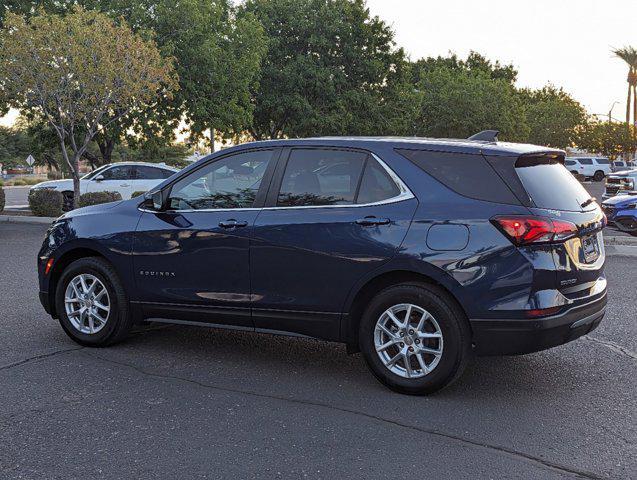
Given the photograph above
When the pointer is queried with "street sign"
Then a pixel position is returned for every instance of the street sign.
(30, 160)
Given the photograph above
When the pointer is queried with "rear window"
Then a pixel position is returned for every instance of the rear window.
(469, 175)
(551, 186)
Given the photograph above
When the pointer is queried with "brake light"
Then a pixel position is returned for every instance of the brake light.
(524, 230)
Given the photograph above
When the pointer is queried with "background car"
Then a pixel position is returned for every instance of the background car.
(619, 165)
(621, 211)
(620, 183)
(124, 178)
(591, 167)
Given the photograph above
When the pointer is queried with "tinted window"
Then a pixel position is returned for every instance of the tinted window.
(569, 163)
(468, 175)
(585, 161)
(151, 173)
(551, 186)
(602, 161)
(94, 173)
(321, 177)
(376, 184)
(231, 182)
(123, 172)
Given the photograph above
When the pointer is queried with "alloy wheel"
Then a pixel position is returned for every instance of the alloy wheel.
(87, 303)
(408, 340)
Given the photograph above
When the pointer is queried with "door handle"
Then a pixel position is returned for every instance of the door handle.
(232, 223)
(372, 221)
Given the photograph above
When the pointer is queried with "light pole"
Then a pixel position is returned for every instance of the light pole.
(610, 112)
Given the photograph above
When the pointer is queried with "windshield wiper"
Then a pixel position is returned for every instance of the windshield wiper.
(588, 202)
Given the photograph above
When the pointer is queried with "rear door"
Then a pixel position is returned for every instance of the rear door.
(556, 194)
(147, 176)
(332, 215)
(118, 178)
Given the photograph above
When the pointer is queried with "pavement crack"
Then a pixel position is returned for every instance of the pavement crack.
(448, 436)
(38, 357)
(615, 347)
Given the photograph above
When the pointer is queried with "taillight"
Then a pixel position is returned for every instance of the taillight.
(525, 230)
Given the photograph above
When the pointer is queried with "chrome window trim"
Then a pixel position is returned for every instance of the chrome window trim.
(405, 194)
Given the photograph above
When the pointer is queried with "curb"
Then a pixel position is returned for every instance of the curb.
(27, 219)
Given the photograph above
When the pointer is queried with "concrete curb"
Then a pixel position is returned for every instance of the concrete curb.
(621, 246)
(26, 219)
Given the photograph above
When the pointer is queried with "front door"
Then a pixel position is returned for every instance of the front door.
(332, 217)
(192, 260)
(117, 178)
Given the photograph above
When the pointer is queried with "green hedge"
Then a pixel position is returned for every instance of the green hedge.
(45, 203)
(96, 198)
(137, 194)
(1, 199)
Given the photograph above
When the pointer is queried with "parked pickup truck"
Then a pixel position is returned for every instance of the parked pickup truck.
(621, 182)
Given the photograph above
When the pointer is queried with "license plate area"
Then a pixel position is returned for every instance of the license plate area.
(590, 247)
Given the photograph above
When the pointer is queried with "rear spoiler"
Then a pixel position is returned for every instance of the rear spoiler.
(485, 136)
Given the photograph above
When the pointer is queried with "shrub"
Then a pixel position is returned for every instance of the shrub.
(45, 203)
(53, 176)
(96, 198)
(1, 198)
(137, 194)
(18, 182)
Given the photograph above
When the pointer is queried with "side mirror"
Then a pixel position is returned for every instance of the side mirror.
(155, 199)
(99, 178)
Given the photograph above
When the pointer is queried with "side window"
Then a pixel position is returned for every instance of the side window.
(166, 173)
(315, 177)
(602, 161)
(123, 172)
(231, 182)
(569, 163)
(586, 161)
(377, 185)
(149, 173)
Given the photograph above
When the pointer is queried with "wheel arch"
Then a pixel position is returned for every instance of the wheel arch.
(363, 294)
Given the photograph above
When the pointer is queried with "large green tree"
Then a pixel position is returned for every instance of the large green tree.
(330, 68)
(81, 72)
(553, 116)
(608, 138)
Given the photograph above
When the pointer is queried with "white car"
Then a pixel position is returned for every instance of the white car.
(125, 178)
(595, 167)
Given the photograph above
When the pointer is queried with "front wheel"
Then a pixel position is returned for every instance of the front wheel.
(414, 338)
(91, 303)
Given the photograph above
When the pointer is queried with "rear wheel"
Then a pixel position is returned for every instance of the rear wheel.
(628, 225)
(414, 338)
(91, 303)
(599, 176)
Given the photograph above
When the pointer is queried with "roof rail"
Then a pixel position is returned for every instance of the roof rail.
(486, 136)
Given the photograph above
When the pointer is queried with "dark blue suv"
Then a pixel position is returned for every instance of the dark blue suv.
(418, 252)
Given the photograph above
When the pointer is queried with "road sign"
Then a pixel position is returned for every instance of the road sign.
(30, 160)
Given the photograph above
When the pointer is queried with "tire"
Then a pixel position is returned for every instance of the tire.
(67, 201)
(455, 344)
(574, 172)
(118, 321)
(627, 225)
(599, 176)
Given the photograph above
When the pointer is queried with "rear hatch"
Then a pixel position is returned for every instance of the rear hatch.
(555, 194)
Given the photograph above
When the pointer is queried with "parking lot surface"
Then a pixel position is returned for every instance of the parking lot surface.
(188, 402)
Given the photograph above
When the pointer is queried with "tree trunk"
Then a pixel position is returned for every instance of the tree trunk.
(628, 104)
(75, 170)
(212, 139)
(106, 149)
(635, 104)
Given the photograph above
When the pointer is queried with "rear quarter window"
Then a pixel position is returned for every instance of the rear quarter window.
(466, 174)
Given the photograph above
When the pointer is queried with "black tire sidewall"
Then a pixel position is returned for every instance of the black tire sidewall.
(93, 267)
(456, 340)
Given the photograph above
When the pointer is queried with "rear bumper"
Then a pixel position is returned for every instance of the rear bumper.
(519, 336)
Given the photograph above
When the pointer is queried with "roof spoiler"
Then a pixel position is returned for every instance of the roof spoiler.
(486, 136)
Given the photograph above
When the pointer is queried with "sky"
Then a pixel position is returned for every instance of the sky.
(564, 42)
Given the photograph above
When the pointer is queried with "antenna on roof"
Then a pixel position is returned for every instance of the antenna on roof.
(486, 136)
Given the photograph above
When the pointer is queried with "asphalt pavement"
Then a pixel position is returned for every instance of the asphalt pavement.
(189, 402)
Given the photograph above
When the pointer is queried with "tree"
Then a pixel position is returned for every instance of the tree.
(82, 72)
(458, 103)
(553, 116)
(330, 68)
(475, 63)
(629, 55)
(608, 138)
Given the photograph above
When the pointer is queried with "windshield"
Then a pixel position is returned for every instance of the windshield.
(553, 187)
(95, 172)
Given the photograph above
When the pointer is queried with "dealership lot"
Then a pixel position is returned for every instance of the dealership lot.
(201, 403)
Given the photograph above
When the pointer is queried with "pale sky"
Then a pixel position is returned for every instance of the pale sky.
(565, 42)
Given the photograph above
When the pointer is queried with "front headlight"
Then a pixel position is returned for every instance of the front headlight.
(631, 205)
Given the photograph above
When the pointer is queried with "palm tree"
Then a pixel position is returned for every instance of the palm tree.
(629, 55)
